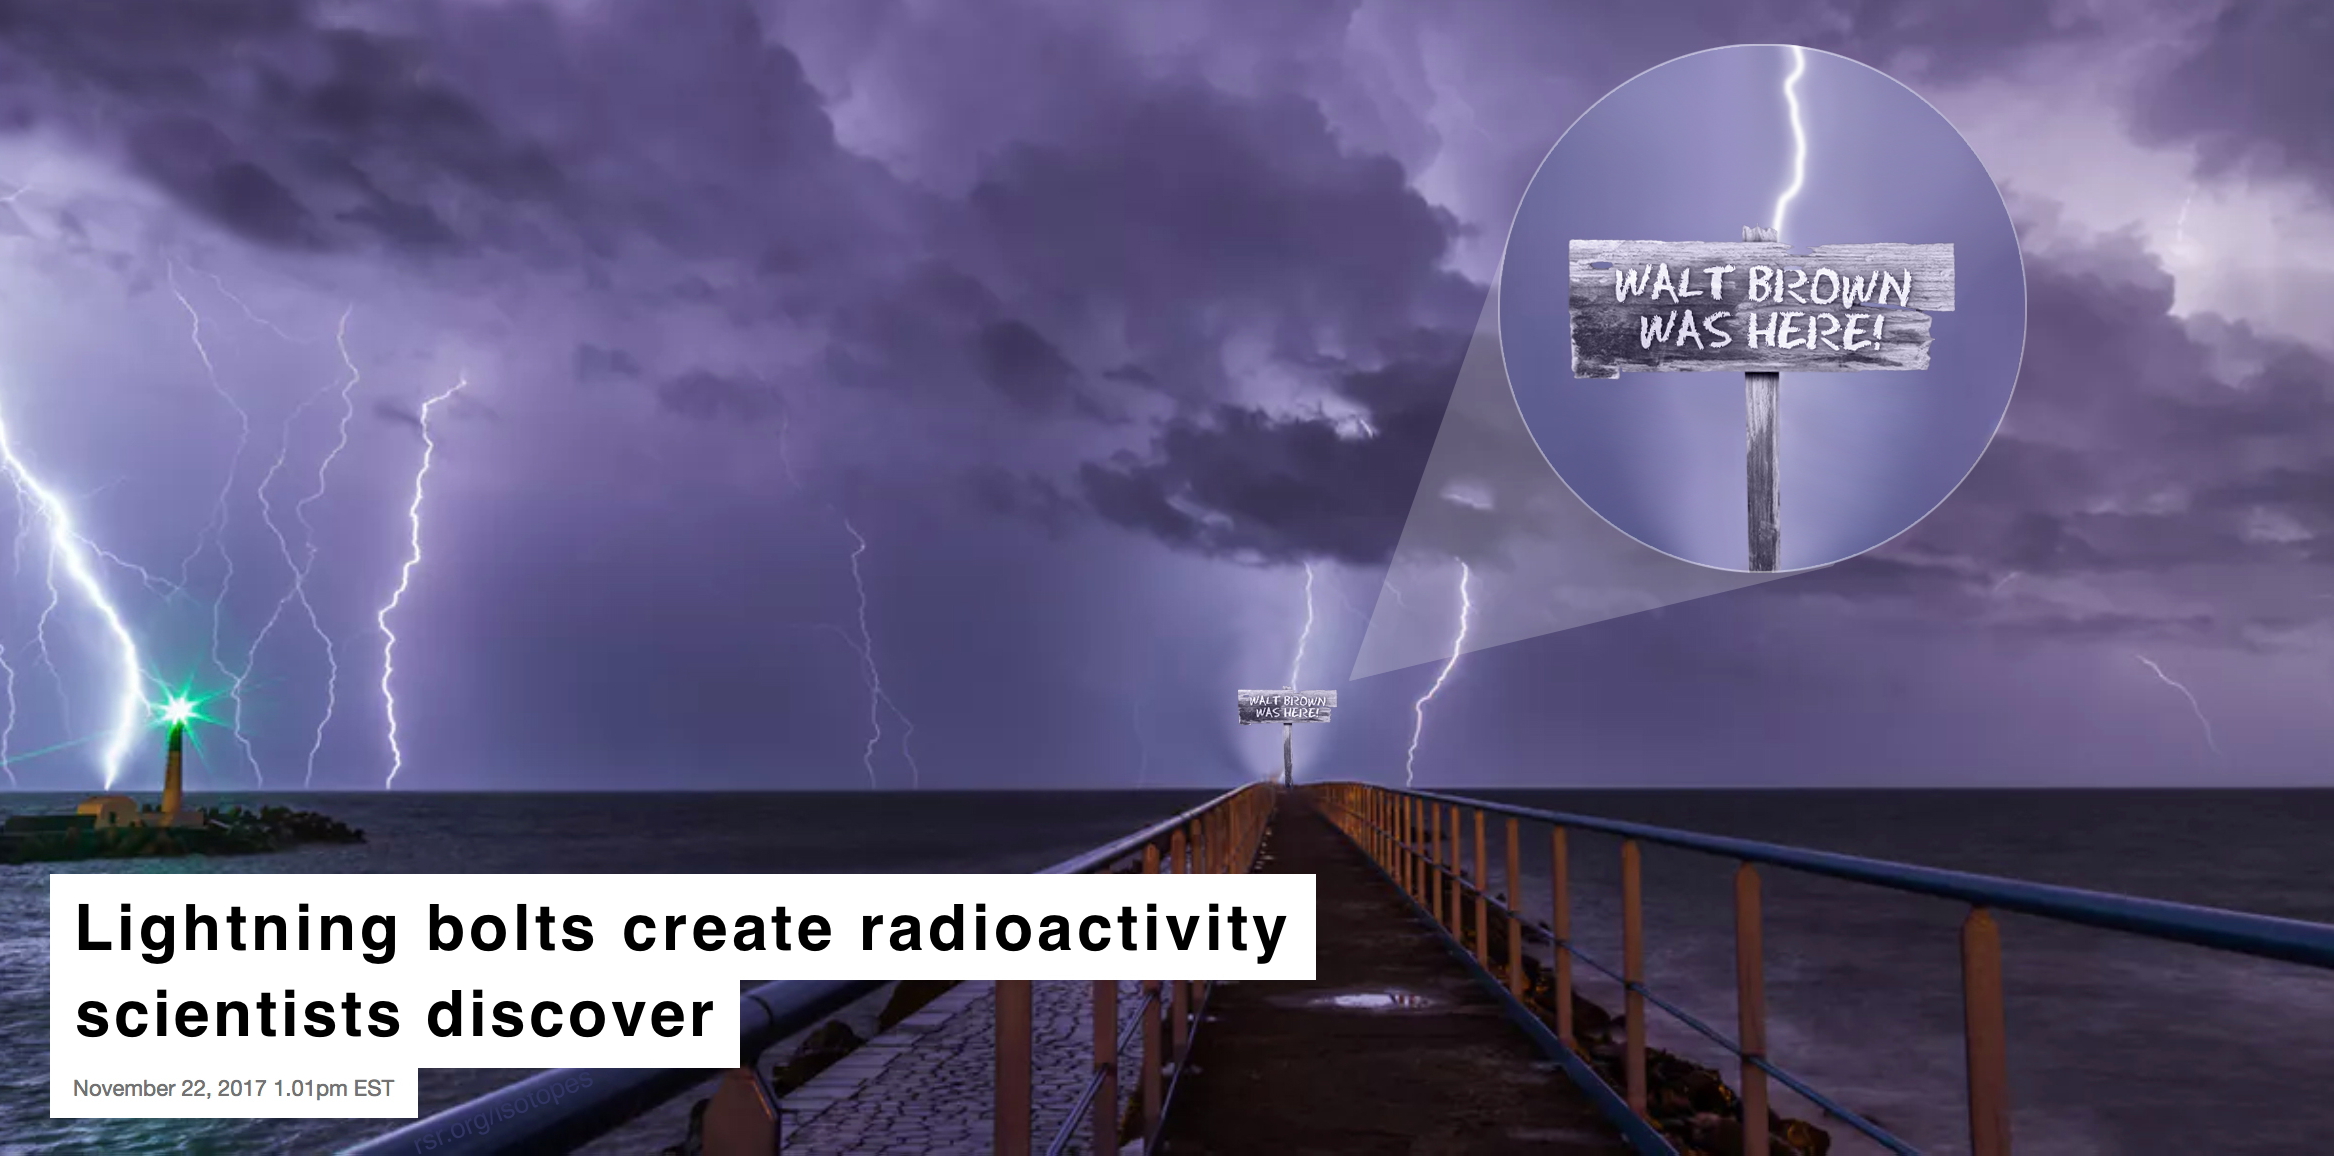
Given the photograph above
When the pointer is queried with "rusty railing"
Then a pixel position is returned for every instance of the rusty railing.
(1405, 832)
(1220, 836)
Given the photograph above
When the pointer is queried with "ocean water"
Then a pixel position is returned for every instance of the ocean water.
(2118, 1045)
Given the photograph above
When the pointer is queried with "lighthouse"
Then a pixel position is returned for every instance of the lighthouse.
(173, 770)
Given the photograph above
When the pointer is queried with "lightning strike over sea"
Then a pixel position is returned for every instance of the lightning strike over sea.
(67, 546)
(296, 591)
(878, 698)
(8, 728)
(348, 410)
(421, 475)
(2193, 705)
(1458, 647)
(214, 531)
(1297, 665)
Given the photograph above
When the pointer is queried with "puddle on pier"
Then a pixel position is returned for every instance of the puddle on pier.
(1391, 1000)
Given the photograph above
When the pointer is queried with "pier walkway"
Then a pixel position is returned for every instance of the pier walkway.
(1395, 1047)
(1443, 1019)
(927, 1087)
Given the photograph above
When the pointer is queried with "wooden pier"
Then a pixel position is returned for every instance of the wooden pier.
(1443, 1018)
(1394, 1047)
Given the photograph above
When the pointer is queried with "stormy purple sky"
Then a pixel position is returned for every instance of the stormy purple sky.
(1096, 322)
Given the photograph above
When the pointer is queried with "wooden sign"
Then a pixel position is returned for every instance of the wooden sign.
(1286, 706)
(1756, 308)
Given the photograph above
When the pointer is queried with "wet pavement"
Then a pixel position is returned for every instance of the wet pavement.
(1392, 1049)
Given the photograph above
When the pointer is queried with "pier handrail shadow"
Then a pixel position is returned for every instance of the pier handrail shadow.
(1403, 830)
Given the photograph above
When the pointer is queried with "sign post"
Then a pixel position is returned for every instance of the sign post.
(1287, 707)
(1756, 308)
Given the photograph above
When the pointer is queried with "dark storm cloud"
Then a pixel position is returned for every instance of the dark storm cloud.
(1021, 364)
(194, 161)
(596, 363)
(996, 490)
(2252, 92)
(2133, 452)
(266, 121)
(1198, 216)
(1238, 481)
(704, 395)
(445, 127)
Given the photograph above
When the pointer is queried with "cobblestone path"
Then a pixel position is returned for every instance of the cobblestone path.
(928, 1085)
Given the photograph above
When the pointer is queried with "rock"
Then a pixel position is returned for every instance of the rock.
(824, 1045)
(832, 1036)
(1804, 1138)
(1707, 1092)
(694, 1143)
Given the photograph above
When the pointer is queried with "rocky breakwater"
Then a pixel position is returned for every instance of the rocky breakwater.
(818, 1051)
(228, 831)
(1691, 1104)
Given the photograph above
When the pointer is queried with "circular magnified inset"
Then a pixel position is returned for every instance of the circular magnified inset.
(1762, 308)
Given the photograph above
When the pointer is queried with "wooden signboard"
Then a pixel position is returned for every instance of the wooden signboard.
(1756, 308)
(1288, 707)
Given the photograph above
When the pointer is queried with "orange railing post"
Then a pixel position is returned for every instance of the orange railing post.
(1633, 972)
(1434, 879)
(1458, 920)
(1014, 1027)
(1178, 1025)
(1560, 925)
(1154, 1059)
(1750, 1000)
(1482, 897)
(1984, 1035)
(1105, 1142)
(1515, 903)
(1408, 822)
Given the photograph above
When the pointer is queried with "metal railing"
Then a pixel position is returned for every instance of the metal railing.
(566, 1108)
(1220, 836)
(563, 1109)
(1405, 832)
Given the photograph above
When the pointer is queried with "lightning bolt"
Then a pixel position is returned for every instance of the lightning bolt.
(8, 729)
(874, 674)
(2004, 580)
(878, 699)
(66, 546)
(1299, 663)
(1798, 137)
(2180, 225)
(429, 448)
(40, 630)
(348, 387)
(254, 317)
(1458, 647)
(214, 531)
(2193, 705)
(297, 590)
